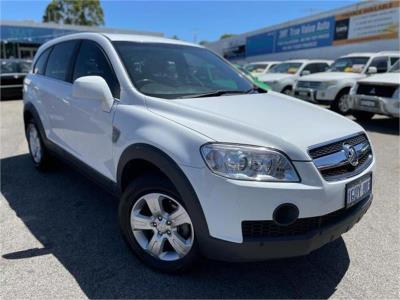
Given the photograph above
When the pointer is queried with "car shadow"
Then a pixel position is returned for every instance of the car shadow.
(383, 125)
(76, 221)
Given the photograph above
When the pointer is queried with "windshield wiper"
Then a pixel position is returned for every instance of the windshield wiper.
(216, 93)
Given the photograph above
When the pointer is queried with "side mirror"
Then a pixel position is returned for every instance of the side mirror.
(372, 70)
(305, 72)
(93, 88)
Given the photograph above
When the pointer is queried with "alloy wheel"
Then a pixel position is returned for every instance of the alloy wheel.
(343, 104)
(162, 227)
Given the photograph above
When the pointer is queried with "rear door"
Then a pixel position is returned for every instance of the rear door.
(56, 87)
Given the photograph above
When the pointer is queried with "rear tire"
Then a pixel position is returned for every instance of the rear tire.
(158, 226)
(363, 115)
(341, 104)
(39, 154)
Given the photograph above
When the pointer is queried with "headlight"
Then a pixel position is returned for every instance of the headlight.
(248, 163)
(326, 84)
(396, 94)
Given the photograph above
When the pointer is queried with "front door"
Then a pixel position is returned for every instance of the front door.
(87, 128)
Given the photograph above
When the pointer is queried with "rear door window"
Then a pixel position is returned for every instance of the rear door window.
(40, 65)
(59, 63)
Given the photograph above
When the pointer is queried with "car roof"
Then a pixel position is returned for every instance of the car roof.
(119, 37)
(369, 54)
(145, 39)
(263, 62)
(307, 61)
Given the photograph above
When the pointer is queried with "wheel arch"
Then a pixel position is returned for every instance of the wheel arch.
(139, 159)
(342, 90)
(31, 113)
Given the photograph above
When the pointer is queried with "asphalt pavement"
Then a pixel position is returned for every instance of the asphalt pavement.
(59, 238)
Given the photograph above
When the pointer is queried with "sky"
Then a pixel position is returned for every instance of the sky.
(189, 20)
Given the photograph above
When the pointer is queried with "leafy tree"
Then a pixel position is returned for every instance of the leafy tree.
(175, 37)
(203, 43)
(75, 12)
(226, 35)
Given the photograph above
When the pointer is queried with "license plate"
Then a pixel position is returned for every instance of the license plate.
(358, 190)
(303, 93)
(367, 103)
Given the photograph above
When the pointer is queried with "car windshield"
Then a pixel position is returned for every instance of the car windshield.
(395, 68)
(178, 71)
(287, 68)
(256, 68)
(349, 64)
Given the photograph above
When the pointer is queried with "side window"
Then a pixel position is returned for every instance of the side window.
(380, 63)
(91, 61)
(40, 64)
(393, 60)
(60, 60)
(322, 67)
(313, 68)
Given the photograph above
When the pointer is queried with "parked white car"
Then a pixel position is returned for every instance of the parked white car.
(283, 76)
(260, 67)
(377, 94)
(203, 163)
(333, 87)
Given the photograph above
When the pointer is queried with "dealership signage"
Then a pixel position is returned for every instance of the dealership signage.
(376, 22)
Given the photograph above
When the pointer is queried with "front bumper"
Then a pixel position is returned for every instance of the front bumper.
(315, 95)
(375, 104)
(227, 203)
(269, 248)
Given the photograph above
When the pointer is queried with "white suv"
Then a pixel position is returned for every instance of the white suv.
(377, 94)
(333, 87)
(282, 77)
(203, 163)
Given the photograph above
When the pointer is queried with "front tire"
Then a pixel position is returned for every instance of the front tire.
(156, 224)
(287, 91)
(341, 103)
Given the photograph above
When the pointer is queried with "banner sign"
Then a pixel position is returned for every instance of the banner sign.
(380, 21)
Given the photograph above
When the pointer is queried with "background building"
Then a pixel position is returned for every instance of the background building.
(21, 39)
(369, 26)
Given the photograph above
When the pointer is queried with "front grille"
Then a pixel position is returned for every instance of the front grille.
(309, 84)
(338, 167)
(386, 91)
(336, 146)
(263, 229)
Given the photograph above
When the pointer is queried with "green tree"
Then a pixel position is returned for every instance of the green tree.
(226, 35)
(75, 12)
(203, 42)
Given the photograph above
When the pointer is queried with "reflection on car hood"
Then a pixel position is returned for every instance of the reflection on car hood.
(326, 76)
(269, 120)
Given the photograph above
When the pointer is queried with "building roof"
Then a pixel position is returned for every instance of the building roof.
(33, 24)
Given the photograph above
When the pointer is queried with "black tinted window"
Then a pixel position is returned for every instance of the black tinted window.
(316, 67)
(41, 63)
(380, 63)
(393, 60)
(91, 61)
(60, 60)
